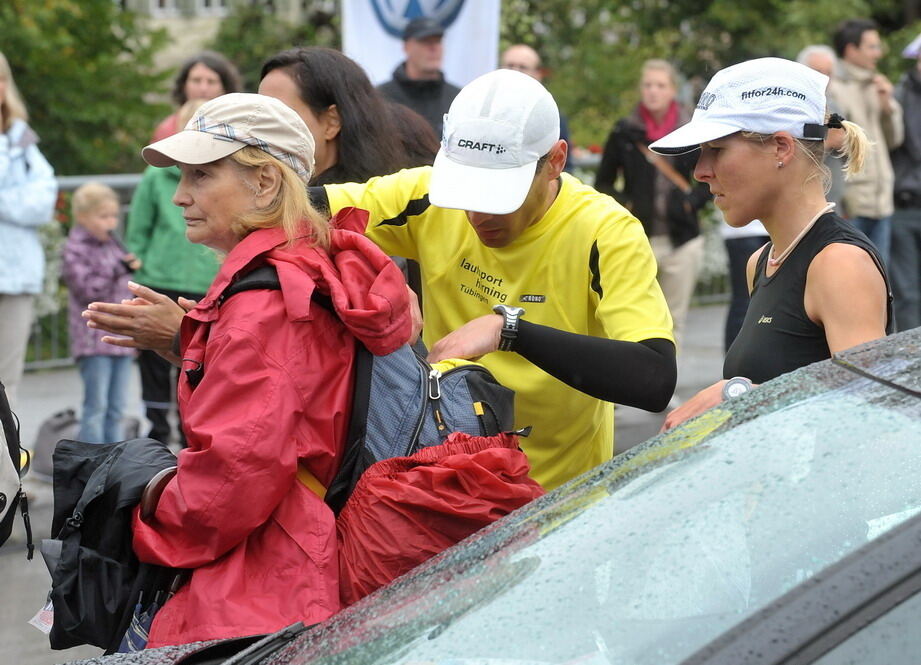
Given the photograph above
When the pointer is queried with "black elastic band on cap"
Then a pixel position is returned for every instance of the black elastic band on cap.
(814, 131)
(835, 121)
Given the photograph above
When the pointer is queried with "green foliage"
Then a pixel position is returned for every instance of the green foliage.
(594, 48)
(83, 68)
(893, 63)
(251, 33)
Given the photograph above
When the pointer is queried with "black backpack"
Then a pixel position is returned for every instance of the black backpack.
(401, 403)
(14, 462)
(96, 578)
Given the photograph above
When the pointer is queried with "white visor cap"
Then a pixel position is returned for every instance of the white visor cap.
(497, 128)
(764, 96)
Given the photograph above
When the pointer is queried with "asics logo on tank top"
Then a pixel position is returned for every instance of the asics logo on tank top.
(766, 319)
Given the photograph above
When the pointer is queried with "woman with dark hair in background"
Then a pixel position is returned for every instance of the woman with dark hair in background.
(204, 76)
(358, 134)
(355, 136)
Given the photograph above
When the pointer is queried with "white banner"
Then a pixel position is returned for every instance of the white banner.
(372, 30)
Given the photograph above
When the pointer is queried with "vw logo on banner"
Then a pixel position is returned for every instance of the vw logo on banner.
(395, 14)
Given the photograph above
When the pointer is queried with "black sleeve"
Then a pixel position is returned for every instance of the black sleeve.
(641, 374)
(610, 165)
(319, 200)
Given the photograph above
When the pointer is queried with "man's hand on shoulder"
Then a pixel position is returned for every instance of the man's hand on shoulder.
(472, 340)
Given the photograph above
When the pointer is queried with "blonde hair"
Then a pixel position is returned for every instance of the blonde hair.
(290, 209)
(12, 106)
(854, 151)
(89, 197)
(657, 64)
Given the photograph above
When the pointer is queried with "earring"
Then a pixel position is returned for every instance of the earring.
(780, 165)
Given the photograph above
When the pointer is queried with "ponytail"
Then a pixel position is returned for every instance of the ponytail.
(856, 145)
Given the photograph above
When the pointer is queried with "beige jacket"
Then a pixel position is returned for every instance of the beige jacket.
(868, 193)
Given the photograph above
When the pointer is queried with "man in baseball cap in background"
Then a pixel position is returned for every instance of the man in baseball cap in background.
(418, 81)
(549, 283)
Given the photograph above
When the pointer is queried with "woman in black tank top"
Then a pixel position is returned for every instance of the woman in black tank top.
(819, 286)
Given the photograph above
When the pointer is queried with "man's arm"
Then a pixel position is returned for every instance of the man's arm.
(641, 374)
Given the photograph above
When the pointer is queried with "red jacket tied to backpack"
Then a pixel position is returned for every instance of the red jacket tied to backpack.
(265, 385)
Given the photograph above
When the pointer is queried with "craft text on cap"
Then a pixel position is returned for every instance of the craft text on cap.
(230, 122)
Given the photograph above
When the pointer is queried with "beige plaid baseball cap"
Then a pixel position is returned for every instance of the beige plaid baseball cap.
(230, 122)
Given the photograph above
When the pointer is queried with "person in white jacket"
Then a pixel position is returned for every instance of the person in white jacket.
(28, 192)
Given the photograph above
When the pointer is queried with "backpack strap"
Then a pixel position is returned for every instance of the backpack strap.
(266, 277)
(263, 277)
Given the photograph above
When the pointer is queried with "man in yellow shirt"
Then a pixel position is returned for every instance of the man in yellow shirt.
(552, 283)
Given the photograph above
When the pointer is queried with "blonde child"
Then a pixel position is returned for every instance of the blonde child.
(96, 267)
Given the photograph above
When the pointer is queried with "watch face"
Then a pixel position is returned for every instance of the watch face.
(736, 388)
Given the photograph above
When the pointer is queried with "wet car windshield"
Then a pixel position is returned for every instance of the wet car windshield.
(705, 527)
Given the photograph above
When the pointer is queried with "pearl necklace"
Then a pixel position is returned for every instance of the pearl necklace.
(774, 262)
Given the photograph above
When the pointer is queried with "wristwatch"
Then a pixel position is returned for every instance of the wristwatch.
(510, 318)
(736, 386)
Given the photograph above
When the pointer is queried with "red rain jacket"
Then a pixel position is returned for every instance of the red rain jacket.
(275, 390)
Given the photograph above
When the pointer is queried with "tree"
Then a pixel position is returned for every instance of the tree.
(594, 48)
(83, 68)
(252, 33)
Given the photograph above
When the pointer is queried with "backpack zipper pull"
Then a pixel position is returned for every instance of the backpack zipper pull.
(434, 384)
(435, 396)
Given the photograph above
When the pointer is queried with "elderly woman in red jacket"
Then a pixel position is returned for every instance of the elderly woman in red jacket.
(266, 381)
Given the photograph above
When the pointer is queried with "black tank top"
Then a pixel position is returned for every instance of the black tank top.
(777, 335)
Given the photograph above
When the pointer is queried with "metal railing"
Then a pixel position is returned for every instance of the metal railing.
(48, 344)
